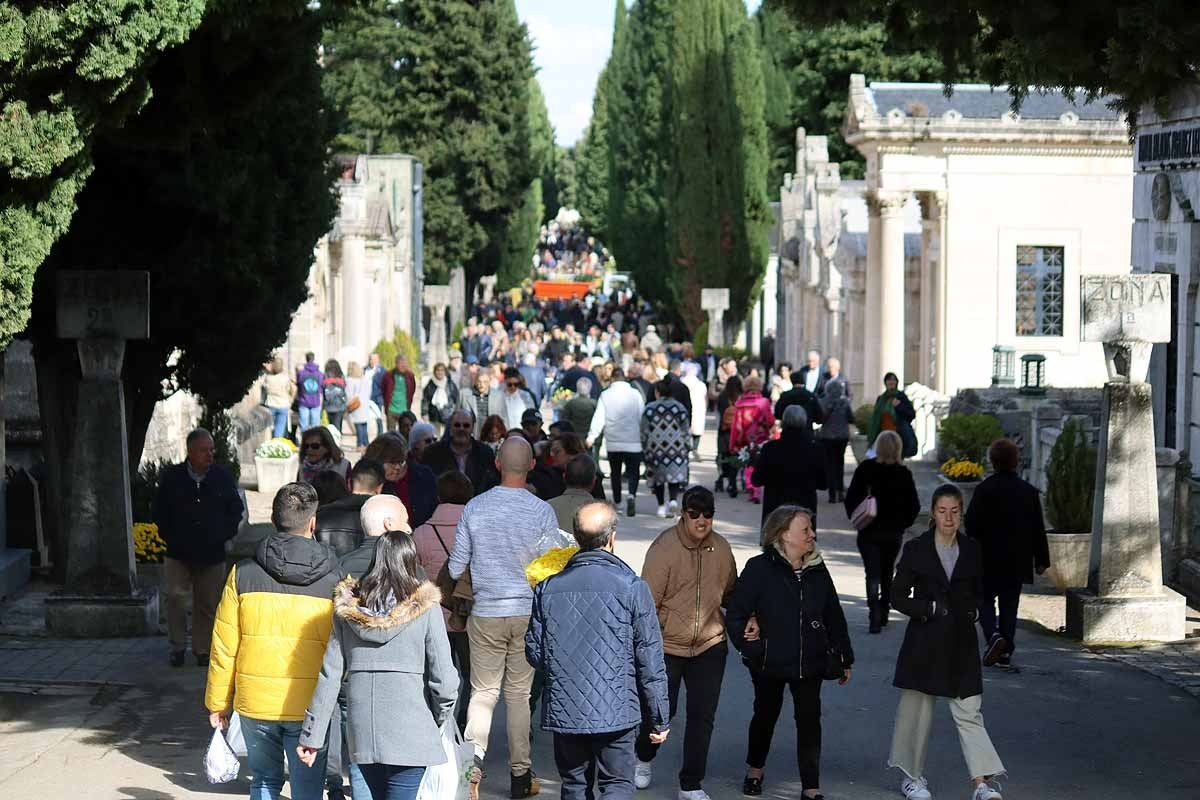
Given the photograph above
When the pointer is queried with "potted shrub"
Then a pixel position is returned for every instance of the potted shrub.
(276, 463)
(862, 422)
(1070, 490)
(149, 549)
(968, 436)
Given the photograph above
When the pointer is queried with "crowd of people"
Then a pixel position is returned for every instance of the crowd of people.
(565, 250)
(392, 598)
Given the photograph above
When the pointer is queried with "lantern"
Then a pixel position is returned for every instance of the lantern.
(1033, 374)
(1004, 368)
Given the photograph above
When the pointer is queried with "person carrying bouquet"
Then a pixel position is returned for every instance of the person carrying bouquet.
(752, 424)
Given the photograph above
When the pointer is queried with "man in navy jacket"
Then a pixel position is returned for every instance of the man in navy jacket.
(594, 633)
(197, 509)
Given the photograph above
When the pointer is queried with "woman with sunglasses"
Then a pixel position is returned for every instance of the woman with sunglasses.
(691, 574)
(786, 620)
(319, 453)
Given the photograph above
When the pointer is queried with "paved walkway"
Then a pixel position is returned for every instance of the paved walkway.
(111, 720)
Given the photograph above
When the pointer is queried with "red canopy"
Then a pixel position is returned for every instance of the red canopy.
(561, 290)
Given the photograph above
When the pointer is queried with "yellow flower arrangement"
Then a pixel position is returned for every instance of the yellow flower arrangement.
(962, 470)
(148, 546)
(548, 563)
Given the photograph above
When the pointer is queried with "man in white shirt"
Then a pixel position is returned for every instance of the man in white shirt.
(619, 416)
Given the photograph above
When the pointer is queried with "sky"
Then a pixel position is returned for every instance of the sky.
(571, 40)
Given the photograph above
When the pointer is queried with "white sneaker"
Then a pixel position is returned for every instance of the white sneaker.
(673, 507)
(917, 789)
(642, 772)
(694, 794)
(662, 511)
(985, 792)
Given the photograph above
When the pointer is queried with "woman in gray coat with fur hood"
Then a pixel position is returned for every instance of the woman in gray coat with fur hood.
(389, 640)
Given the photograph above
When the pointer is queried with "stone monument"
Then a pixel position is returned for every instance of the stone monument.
(487, 288)
(458, 297)
(100, 598)
(1125, 600)
(437, 299)
(715, 302)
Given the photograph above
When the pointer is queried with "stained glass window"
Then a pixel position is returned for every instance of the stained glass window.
(1039, 290)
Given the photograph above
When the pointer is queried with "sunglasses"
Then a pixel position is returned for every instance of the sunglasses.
(313, 446)
(512, 384)
(694, 514)
(464, 425)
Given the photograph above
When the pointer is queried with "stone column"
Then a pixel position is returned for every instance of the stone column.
(941, 282)
(891, 295)
(354, 316)
(872, 372)
(715, 302)
(487, 287)
(458, 297)
(437, 300)
(928, 292)
(100, 598)
(1125, 600)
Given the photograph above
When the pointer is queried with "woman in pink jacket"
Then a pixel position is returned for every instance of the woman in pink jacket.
(435, 543)
(752, 424)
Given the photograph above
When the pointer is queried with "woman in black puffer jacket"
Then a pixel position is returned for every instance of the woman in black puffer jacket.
(786, 620)
(895, 493)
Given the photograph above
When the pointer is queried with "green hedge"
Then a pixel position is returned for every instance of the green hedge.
(968, 436)
(400, 343)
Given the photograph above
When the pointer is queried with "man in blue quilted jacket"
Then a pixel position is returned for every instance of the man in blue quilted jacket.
(594, 632)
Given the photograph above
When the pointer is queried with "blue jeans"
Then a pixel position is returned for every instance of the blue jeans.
(388, 782)
(280, 415)
(358, 784)
(360, 433)
(309, 418)
(267, 744)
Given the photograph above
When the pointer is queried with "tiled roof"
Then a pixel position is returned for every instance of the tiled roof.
(979, 101)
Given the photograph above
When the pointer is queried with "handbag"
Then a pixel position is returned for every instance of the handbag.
(354, 404)
(833, 664)
(865, 512)
(458, 597)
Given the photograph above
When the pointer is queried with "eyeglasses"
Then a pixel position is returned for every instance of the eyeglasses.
(512, 384)
(462, 425)
(313, 446)
(694, 514)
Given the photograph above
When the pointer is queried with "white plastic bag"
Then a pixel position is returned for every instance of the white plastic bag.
(220, 764)
(234, 737)
(443, 782)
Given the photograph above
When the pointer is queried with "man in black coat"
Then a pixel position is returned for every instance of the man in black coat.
(465, 453)
(197, 509)
(338, 523)
(799, 395)
(1005, 517)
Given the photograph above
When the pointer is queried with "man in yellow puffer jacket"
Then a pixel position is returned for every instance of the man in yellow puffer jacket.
(269, 639)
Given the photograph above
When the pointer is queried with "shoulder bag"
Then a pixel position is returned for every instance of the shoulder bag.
(865, 512)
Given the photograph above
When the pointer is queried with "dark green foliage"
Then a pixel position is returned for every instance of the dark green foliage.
(142, 488)
(968, 436)
(403, 344)
(560, 183)
(807, 74)
(69, 70)
(218, 422)
(594, 156)
(862, 417)
(520, 239)
(448, 82)
(1071, 481)
(1137, 50)
(192, 190)
(681, 106)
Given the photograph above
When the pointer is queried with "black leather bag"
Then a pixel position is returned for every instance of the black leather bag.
(833, 664)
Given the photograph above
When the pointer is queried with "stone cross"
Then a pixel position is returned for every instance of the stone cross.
(1125, 600)
(715, 302)
(101, 310)
(437, 298)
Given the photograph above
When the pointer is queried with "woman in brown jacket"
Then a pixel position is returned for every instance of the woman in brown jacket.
(691, 573)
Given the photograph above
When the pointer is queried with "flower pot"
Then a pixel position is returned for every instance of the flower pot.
(1070, 557)
(966, 487)
(275, 472)
(858, 446)
(152, 578)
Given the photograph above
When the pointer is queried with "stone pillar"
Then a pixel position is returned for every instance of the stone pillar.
(872, 377)
(940, 345)
(100, 597)
(14, 564)
(715, 302)
(458, 297)
(437, 300)
(1125, 600)
(487, 287)
(354, 317)
(928, 294)
(892, 296)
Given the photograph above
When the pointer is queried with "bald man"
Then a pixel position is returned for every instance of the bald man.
(380, 514)
(500, 532)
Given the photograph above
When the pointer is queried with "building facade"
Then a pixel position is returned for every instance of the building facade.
(367, 273)
(979, 223)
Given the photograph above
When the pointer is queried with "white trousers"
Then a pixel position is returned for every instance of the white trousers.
(910, 737)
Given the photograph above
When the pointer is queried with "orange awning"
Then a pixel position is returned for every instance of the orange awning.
(561, 290)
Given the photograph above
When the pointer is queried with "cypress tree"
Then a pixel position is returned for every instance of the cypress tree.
(717, 214)
(521, 235)
(595, 153)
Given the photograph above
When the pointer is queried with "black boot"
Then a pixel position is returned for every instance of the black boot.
(525, 785)
(873, 616)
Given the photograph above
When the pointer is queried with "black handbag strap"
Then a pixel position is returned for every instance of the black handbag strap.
(438, 534)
